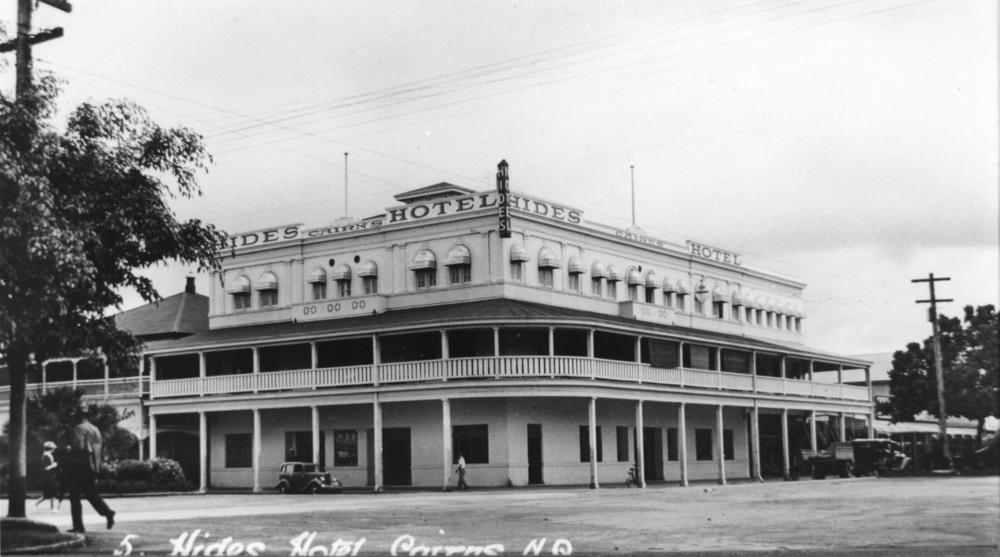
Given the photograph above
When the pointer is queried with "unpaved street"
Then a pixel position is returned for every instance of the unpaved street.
(925, 515)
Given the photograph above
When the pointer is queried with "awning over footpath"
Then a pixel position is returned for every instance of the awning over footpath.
(886, 427)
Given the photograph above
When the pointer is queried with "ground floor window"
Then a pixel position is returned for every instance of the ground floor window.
(472, 442)
(622, 432)
(585, 444)
(703, 444)
(239, 447)
(727, 444)
(345, 447)
(672, 444)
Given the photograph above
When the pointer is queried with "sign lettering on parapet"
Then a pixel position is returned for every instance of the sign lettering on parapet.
(714, 254)
(406, 214)
(503, 200)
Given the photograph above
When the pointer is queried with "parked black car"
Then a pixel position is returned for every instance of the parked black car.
(306, 477)
(879, 457)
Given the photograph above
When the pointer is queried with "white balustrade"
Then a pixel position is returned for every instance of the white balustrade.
(498, 368)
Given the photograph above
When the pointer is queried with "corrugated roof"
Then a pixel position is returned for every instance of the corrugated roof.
(486, 312)
(178, 315)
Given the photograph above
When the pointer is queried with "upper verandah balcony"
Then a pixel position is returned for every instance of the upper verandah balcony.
(499, 338)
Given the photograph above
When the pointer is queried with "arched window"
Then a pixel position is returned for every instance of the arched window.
(369, 277)
(574, 269)
(518, 257)
(459, 263)
(652, 285)
(341, 274)
(240, 290)
(668, 292)
(682, 292)
(424, 267)
(267, 290)
(635, 283)
(613, 278)
(317, 278)
(720, 299)
(547, 262)
(597, 275)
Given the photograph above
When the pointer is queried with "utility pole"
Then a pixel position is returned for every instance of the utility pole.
(631, 169)
(932, 315)
(346, 214)
(22, 43)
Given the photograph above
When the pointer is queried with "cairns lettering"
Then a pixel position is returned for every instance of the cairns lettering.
(715, 254)
(639, 238)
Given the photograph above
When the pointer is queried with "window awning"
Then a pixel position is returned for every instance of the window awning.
(738, 296)
(888, 428)
(517, 253)
(267, 281)
(597, 270)
(682, 286)
(548, 260)
(458, 255)
(368, 269)
(341, 272)
(613, 273)
(239, 285)
(317, 275)
(651, 280)
(719, 294)
(424, 259)
(634, 277)
(574, 266)
(668, 285)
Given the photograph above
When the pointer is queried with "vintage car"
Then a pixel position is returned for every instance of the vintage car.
(306, 477)
(879, 457)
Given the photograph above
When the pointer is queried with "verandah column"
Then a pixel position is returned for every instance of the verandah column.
(871, 407)
(592, 437)
(314, 414)
(446, 443)
(785, 461)
(202, 452)
(812, 430)
(377, 439)
(843, 426)
(152, 436)
(640, 446)
(720, 446)
(255, 448)
(682, 441)
(755, 442)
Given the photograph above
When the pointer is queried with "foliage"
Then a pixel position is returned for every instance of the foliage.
(50, 418)
(131, 476)
(970, 359)
(83, 213)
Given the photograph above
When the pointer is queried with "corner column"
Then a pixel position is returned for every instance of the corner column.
(755, 442)
(682, 451)
(592, 437)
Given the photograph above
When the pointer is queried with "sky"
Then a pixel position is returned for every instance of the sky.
(852, 145)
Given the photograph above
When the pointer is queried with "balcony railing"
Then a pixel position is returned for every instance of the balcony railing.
(497, 368)
(117, 387)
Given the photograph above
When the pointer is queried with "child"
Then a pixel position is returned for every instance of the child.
(50, 488)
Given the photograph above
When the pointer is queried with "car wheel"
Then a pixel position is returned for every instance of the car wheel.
(313, 489)
(845, 471)
(283, 489)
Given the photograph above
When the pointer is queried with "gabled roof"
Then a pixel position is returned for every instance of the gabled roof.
(441, 189)
(495, 311)
(173, 317)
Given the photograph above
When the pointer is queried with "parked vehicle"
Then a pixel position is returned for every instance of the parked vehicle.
(306, 477)
(858, 457)
(879, 457)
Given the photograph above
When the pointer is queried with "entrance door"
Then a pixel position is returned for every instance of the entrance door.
(396, 455)
(652, 446)
(535, 454)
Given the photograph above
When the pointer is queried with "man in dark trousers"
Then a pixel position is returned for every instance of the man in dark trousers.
(85, 465)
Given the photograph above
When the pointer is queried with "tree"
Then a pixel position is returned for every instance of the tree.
(83, 212)
(970, 358)
(50, 418)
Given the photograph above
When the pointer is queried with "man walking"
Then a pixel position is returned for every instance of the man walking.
(462, 486)
(85, 465)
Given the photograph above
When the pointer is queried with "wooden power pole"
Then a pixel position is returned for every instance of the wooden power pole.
(933, 317)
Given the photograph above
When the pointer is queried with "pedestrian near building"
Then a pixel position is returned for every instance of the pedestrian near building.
(85, 465)
(50, 474)
(462, 486)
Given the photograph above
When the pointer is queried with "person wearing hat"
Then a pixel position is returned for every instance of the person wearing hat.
(50, 489)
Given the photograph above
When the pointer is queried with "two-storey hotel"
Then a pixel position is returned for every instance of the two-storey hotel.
(544, 348)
